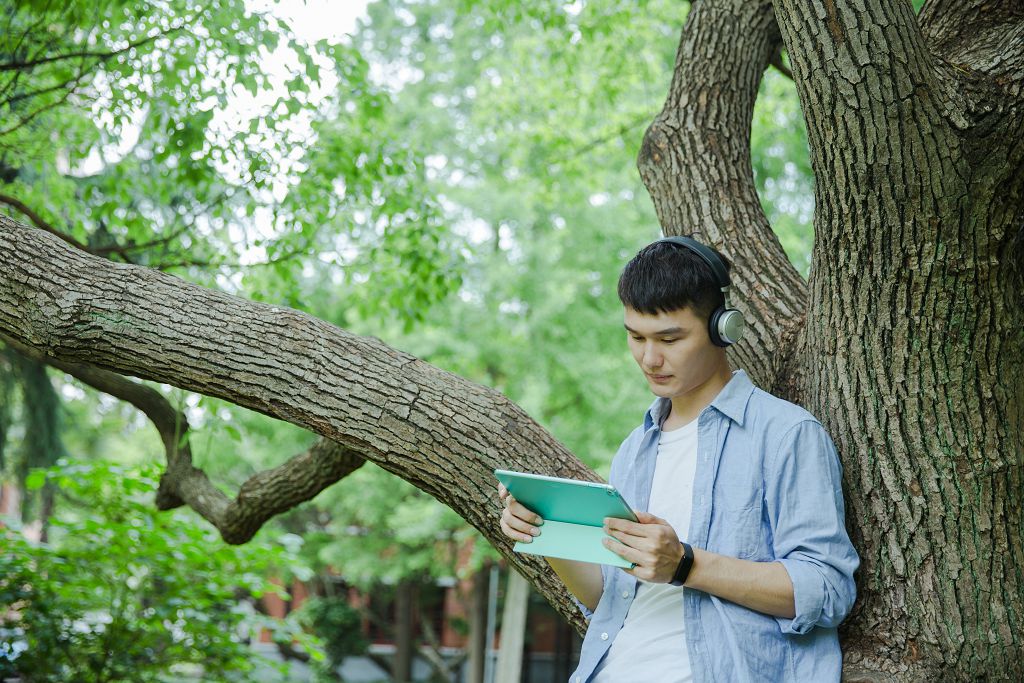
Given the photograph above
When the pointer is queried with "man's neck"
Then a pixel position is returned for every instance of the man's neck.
(686, 408)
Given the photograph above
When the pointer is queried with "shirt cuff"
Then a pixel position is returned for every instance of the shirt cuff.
(583, 608)
(808, 596)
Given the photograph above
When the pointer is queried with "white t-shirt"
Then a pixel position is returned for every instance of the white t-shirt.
(652, 643)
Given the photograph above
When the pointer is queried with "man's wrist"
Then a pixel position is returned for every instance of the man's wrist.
(684, 566)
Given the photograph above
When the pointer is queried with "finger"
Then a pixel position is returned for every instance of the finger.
(523, 513)
(502, 492)
(523, 528)
(624, 526)
(514, 534)
(514, 530)
(639, 543)
(622, 550)
(648, 518)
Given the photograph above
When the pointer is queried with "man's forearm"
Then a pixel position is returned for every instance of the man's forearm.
(583, 579)
(761, 586)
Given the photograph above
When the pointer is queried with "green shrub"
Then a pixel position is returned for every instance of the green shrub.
(125, 592)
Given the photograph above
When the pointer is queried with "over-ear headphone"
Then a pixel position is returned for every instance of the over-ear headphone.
(725, 326)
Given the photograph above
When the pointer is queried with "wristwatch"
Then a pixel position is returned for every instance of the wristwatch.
(685, 564)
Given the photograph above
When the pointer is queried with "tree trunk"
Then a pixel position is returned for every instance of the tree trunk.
(401, 665)
(913, 352)
(42, 445)
(910, 346)
(513, 630)
(477, 644)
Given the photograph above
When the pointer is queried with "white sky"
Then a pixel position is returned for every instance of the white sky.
(316, 19)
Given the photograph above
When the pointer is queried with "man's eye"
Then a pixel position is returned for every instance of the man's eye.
(669, 341)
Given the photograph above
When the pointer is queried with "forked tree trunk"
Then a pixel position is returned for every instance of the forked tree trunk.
(913, 350)
(910, 347)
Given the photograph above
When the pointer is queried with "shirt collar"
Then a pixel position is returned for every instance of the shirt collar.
(731, 401)
(733, 398)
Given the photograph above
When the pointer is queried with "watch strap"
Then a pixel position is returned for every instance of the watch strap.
(685, 564)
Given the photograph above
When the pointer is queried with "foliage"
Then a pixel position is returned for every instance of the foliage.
(126, 592)
(338, 624)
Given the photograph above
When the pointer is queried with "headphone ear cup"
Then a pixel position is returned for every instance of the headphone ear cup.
(714, 327)
(729, 326)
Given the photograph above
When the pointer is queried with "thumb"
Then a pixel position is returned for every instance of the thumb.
(648, 518)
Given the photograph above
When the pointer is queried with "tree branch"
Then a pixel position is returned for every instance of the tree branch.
(981, 46)
(46, 107)
(442, 433)
(99, 56)
(262, 496)
(845, 58)
(695, 161)
(40, 223)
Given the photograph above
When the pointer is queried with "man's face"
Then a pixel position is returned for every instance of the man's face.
(673, 350)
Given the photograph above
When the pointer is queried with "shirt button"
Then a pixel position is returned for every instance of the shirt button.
(578, 679)
(625, 594)
(604, 636)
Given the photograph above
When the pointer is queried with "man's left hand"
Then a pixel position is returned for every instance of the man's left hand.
(651, 544)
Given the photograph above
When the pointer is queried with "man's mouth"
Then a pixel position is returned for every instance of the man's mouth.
(659, 378)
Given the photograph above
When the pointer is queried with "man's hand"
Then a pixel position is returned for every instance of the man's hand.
(583, 579)
(517, 522)
(652, 545)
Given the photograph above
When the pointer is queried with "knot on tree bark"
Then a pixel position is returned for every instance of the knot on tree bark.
(654, 150)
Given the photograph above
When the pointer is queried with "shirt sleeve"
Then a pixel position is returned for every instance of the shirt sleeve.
(804, 497)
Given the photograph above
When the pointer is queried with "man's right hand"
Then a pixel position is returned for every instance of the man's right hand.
(517, 522)
(583, 579)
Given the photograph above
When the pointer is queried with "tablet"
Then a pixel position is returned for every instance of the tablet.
(573, 512)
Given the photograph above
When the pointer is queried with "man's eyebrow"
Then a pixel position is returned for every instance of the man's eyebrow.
(659, 333)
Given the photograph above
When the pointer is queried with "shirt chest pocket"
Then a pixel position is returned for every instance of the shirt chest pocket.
(736, 513)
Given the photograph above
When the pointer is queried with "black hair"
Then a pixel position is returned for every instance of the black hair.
(665, 277)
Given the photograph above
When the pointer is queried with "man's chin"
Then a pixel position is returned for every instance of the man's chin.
(661, 390)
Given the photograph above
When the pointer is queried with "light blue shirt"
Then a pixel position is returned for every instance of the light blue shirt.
(768, 488)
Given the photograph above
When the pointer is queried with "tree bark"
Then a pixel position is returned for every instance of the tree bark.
(436, 430)
(908, 340)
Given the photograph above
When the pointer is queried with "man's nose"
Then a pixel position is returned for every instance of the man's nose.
(652, 359)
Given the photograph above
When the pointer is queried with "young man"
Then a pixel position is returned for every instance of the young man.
(743, 566)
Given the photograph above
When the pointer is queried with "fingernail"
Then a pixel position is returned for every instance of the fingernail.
(535, 531)
(539, 521)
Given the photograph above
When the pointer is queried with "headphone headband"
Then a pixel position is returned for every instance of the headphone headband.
(709, 257)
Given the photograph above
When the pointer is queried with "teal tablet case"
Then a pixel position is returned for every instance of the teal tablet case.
(573, 513)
